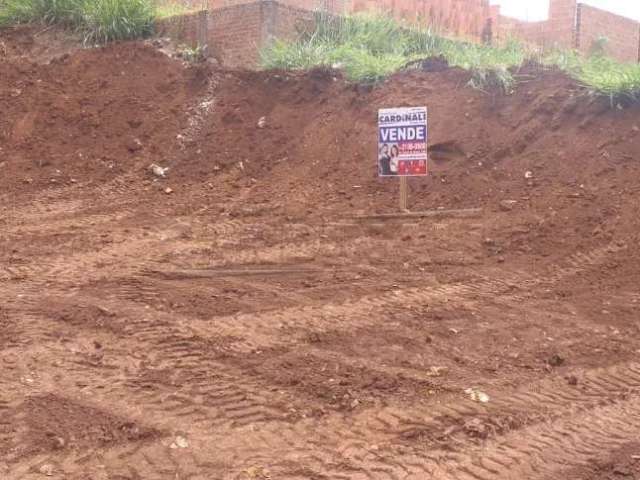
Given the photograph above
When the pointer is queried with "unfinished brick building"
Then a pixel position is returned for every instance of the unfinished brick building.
(570, 24)
(577, 25)
(461, 18)
(239, 28)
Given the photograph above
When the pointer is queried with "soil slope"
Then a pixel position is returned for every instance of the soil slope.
(234, 320)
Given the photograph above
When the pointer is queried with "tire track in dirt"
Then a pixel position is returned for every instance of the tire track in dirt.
(257, 329)
(68, 222)
(55, 204)
(234, 403)
(544, 451)
(323, 317)
(351, 439)
(224, 403)
(391, 424)
(330, 449)
(129, 258)
(221, 233)
(53, 210)
(575, 428)
(359, 314)
(43, 205)
(166, 244)
(173, 357)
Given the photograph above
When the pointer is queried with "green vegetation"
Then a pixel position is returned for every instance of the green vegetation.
(64, 12)
(170, 9)
(369, 48)
(97, 20)
(601, 75)
(192, 54)
(108, 20)
(618, 81)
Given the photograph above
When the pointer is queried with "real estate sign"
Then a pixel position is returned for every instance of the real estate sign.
(402, 142)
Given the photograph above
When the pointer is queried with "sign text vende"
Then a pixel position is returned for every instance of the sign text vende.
(401, 134)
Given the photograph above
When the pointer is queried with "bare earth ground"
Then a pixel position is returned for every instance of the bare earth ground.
(244, 326)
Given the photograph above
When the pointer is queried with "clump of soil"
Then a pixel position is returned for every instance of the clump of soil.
(37, 43)
(48, 423)
(623, 464)
(93, 115)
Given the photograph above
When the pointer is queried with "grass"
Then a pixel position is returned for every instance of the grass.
(99, 21)
(170, 9)
(614, 80)
(64, 12)
(601, 75)
(108, 20)
(367, 47)
(371, 47)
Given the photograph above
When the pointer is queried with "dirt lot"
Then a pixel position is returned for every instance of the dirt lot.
(235, 321)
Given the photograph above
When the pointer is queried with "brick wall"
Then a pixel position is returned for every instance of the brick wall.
(287, 22)
(576, 25)
(561, 26)
(335, 6)
(238, 29)
(332, 6)
(234, 33)
(622, 34)
(237, 32)
(556, 32)
(529, 32)
(461, 18)
(182, 28)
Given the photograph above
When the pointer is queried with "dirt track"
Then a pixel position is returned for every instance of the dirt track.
(245, 326)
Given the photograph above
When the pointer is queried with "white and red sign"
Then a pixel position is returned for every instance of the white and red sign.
(402, 142)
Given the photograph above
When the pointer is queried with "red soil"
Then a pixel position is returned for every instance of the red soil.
(244, 311)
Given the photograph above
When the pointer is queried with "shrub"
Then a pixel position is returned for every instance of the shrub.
(63, 12)
(109, 20)
(97, 20)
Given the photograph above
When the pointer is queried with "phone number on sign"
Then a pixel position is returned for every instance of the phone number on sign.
(413, 147)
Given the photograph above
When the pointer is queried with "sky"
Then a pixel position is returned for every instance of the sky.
(537, 9)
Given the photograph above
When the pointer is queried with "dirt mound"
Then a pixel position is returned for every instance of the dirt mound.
(311, 154)
(58, 424)
(302, 145)
(92, 115)
(39, 44)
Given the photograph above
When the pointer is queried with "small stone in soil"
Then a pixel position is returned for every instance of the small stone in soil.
(556, 361)
(180, 442)
(46, 469)
(507, 205)
(476, 428)
(622, 471)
